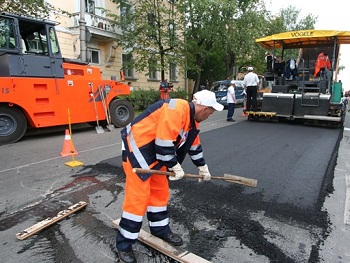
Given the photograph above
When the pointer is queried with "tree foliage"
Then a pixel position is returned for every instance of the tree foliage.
(292, 21)
(210, 38)
(201, 19)
(239, 28)
(220, 32)
(151, 32)
(35, 8)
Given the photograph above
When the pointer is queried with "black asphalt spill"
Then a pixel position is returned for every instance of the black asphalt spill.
(229, 210)
(83, 229)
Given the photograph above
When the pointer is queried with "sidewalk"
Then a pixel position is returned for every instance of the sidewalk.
(336, 246)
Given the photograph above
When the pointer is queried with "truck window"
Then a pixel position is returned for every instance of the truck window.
(35, 41)
(53, 41)
(7, 39)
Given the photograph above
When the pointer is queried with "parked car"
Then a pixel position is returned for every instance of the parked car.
(220, 90)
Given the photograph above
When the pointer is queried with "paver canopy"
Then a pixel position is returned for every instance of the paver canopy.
(304, 38)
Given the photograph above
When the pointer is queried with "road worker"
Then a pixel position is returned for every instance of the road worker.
(251, 85)
(322, 63)
(159, 138)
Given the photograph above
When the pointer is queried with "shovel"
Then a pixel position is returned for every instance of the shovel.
(98, 128)
(227, 177)
(110, 126)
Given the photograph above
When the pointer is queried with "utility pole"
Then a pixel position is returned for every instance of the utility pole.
(82, 26)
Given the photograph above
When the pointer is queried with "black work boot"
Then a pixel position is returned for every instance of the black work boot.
(172, 239)
(127, 256)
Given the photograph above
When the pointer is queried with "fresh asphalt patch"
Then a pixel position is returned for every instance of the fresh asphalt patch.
(281, 220)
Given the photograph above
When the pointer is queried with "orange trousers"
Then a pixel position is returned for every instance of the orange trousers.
(141, 194)
(152, 196)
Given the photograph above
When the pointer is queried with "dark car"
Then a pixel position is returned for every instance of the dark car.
(220, 90)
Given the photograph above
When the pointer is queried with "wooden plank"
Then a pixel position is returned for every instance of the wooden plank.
(49, 221)
(179, 254)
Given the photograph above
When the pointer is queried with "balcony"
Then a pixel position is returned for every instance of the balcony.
(101, 28)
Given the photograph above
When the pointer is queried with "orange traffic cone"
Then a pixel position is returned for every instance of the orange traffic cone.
(68, 146)
(243, 112)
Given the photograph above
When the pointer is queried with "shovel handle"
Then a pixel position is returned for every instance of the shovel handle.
(227, 178)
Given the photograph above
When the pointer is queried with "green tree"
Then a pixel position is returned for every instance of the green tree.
(292, 21)
(201, 18)
(35, 8)
(151, 33)
(209, 38)
(220, 35)
(243, 28)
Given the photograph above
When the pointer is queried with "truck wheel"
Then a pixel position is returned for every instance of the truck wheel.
(13, 124)
(122, 112)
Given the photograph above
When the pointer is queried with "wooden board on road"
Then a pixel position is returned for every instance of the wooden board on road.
(176, 253)
(49, 221)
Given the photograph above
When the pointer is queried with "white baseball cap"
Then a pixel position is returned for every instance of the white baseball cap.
(207, 98)
(250, 68)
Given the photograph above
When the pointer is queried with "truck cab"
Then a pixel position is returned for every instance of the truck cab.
(38, 86)
(29, 48)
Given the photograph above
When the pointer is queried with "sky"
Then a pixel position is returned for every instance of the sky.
(332, 15)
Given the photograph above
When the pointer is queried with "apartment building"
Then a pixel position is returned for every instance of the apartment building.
(101, 46)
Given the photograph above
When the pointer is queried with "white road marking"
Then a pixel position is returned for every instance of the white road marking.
(58, 157)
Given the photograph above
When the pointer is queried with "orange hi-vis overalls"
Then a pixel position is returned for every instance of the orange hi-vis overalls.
(322, 62)
(158, 138)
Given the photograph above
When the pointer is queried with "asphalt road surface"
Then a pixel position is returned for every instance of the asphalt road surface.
(283, 219)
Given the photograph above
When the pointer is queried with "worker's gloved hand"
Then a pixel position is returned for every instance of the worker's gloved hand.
(204, 172)
(179, 173)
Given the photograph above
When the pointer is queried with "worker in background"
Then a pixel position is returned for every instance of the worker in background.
(251, 85)
(159, 138)
(322, 62)
(231, 100)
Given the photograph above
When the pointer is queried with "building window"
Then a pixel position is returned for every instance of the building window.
(128, 67)
(125, 9)
(94, 56)
(90, 6)
(152, 22)
(172, 72)
(171, 28)
(152, 69)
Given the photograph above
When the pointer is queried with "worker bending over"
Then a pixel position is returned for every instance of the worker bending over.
(159, 138)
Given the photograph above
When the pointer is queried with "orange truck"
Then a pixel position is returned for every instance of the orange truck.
(39, 88)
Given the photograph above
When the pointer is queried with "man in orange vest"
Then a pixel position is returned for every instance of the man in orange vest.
(322, 62)
(159, 138)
